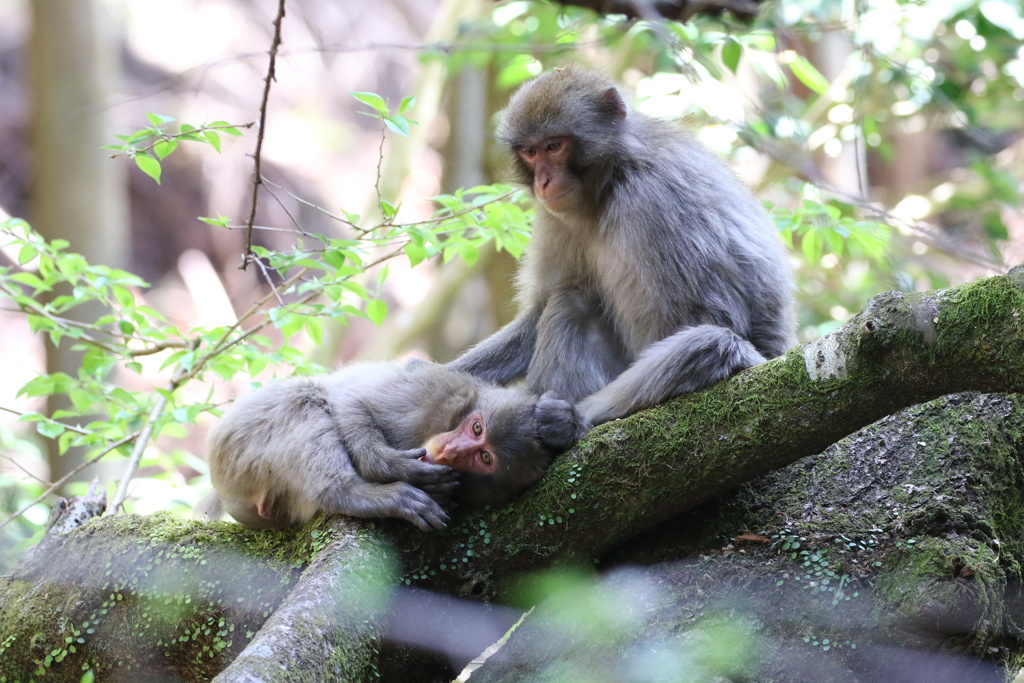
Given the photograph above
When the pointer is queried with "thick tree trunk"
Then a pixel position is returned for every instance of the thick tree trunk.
(77, 193)
(127, 573)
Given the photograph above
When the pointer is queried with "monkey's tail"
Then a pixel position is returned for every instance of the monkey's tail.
(209, 508)
(692, 359)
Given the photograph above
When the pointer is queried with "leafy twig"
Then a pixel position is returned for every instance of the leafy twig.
(191, 133)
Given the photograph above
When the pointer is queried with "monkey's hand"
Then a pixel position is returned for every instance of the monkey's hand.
(412, 466)
(418, 507)
(558, 424)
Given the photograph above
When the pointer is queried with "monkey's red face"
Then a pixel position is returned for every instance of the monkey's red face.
(465, 448)
(554, 185)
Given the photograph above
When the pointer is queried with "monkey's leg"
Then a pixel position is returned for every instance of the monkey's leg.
(687, 361)
(359, 498)
(505, 355)
(577, 351)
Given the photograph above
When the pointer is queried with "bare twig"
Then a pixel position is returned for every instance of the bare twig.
(143, 436)
(315, 207)
(22, 468)
(257, 177)
(60, 482)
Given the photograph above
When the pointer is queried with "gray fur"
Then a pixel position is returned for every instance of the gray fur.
(350, 443)
(667, 265)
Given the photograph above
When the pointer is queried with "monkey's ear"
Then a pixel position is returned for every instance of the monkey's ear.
(612, 103)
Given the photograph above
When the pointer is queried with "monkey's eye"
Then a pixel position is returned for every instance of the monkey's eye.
(554, 145)
(528, 152)
(485, 457)
(478, 428)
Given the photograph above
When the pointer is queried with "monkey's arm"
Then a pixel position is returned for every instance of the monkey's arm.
(505, 355)
(378, 462)
(396, 499)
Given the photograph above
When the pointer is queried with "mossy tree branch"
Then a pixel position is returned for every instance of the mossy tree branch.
(628, 475)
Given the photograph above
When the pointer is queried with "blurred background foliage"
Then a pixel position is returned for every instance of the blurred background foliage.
(885, 136)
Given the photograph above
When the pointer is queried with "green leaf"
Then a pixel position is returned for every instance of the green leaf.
(372, 100)
(213, 139)
(808, 74)
(812, 246)
(315, 330)
(226, 127)
(221, 221)
(731, 53)
(376, 310)
(388, 209)
(26, 254)
(50, 430)
(32, 280)
(149, 165)
(356, 288)
(165, 147)
(124, 296)
(406, 105)
(158, 119)
(417, 253)
(398, 125)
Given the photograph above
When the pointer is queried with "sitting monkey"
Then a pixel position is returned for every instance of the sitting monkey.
(380, 439)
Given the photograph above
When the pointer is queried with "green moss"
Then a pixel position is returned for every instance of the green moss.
(980, 306)
(185, 600)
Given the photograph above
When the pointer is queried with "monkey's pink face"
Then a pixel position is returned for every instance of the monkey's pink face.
(554, 185)
(465, 448)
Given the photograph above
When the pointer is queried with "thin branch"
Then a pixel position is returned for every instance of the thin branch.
(22, 468)
(380, 163)
(151, 345)
(318, 209)
(143, 436)
(70, 428)
(257, 177)
(60, 482)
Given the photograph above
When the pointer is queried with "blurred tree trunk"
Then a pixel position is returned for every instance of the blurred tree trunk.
(77, 193)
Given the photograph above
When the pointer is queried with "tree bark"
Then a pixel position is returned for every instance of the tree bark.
(77, 193)
(620, 480)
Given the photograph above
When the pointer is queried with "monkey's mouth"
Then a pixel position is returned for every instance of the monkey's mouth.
(555, 201)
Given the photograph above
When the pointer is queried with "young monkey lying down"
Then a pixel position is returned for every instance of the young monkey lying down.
(381, 439)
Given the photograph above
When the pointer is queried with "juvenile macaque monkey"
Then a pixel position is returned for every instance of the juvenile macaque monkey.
(652, 271)
(380, 440)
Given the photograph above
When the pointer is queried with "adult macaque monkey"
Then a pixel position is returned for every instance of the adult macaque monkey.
(380, 440)
(652, 271)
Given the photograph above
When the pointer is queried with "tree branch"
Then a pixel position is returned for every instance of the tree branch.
(628, 475)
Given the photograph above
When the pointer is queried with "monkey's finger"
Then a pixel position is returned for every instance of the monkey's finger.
(420, 509)
(422, 473)
(430, 517)
(442, 492)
